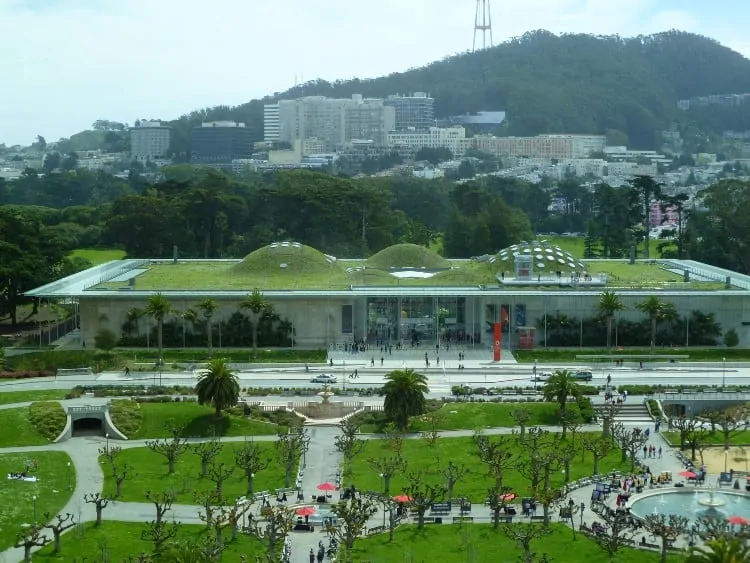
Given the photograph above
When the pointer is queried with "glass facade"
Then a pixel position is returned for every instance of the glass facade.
(416, 320)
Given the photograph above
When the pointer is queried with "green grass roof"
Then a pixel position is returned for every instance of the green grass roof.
(407, 256)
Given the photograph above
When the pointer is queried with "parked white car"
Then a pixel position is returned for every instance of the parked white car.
(323, 378)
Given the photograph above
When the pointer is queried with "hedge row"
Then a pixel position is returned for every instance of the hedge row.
(25, 374)
(48, 417)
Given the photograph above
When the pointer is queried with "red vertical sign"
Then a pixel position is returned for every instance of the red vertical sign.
(498, 340)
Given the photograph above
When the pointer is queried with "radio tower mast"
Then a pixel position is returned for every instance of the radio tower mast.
(482, 23)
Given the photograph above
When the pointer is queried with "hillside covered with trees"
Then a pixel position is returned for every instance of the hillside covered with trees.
(547, 83)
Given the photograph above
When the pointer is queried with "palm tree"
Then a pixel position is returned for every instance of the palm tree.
(188, 317)
(208, 307)
(132, 321)
(609, 304)
(158, 308)
(722, 550)
(256, 305)
(656, 309)
(405, 392)
(218, 386)
(558, 388)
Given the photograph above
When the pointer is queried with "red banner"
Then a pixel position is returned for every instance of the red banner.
(498, 340)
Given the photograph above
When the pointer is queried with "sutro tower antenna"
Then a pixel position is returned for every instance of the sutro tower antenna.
(482, 23)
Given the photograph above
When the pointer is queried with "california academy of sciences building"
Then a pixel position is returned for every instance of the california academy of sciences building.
(406, 293)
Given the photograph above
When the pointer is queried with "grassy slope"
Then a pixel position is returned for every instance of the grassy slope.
(16, 503)
(18, 429)
(11, 397)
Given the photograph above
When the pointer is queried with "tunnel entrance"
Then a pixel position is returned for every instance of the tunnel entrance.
(88, 427)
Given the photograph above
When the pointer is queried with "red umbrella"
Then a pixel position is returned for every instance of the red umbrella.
(741, 520)
(326, 487)
(306, 511)
(507, 497)
(402, 498)
(687, 474)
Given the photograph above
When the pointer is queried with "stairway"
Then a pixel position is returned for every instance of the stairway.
(633, 414)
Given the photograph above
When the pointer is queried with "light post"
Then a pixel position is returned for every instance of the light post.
(68, 464)
(106, 448)
(582, 507)
(382, 482)
(343, 376)
(723, 372)
(571, 508)
(252, 483)
(34, 499)
(726, 455)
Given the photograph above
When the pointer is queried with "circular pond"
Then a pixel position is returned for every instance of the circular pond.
(691, 503)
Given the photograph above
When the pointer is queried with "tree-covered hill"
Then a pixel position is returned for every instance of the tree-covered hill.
(548, 83)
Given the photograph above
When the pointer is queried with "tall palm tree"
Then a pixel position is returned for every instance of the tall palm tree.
(158, 308)
(405, 392)
(609, 304)
(218, 386)
(132, 321)
(256, 306)
(558, 388)
(656, 309)
(208, 307)
(722, 550)
(188, 318)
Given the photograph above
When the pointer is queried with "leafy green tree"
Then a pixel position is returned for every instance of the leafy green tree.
(649, 191)
(105, 340)
(218, 386)
(208, 307)
(558, 388)
(405, 392)
(158, 307)
(250, 459)
(256, 306)
(609, 304)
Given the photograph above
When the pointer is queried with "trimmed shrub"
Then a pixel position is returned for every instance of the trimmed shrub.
(48, 417)
(25, 374)
(126, 416)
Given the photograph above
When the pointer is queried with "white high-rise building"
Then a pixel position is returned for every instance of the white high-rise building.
(271, 122)
(149, 140)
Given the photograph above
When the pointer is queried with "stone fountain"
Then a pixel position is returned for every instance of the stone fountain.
(711, 501)
(326, 394)
(326, 409)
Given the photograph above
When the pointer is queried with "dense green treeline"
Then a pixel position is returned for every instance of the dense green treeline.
(573, 83)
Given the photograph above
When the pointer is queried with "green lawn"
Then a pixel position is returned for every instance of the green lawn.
(478, 543)
(569, 354)
(575, 245)
(469, 416)
(741, 438)
(16, 502)
(116, 541)
(196, 421)
(11, 397)
(23, 432)
(420, 457)
(97, 256)
(150, 473)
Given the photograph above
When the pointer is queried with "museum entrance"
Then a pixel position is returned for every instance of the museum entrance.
(415, 321)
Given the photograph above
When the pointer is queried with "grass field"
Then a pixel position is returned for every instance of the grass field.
(23, 432)
(741, 438)
(150, 473)
(117, 541)
(478, 543)
(575, 245)
(16, 502)
(196, 421)
(97, 256)
(470, 416)
(421, 458)
(11, 397)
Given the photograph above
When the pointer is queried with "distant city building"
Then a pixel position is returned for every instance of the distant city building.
(451, 138)
(412, 112)
(483, 120)
(149, 140)
(332, 121)
(271, 122)
(542, 146)
(220, 142)
(714, 99)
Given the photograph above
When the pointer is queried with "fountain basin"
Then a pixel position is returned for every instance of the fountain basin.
(691, 503)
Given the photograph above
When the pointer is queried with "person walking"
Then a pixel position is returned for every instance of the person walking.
(312, 556)
(659, 452)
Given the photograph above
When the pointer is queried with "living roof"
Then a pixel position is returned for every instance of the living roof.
(264, 271)
(407, 256)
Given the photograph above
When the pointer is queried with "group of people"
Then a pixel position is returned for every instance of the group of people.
(651, 451)
(322, 551)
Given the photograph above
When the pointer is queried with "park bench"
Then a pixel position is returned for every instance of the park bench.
(537, 518)
(375, 530)
(462, 519)
(74, 371)
(442, 508)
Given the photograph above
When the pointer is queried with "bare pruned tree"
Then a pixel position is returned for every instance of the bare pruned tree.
(207, 452)
(599, 447)
(219, 473)
(387, 467)
(29, 538)
(251, 460)
(423, 496)
(290, 446)
(171, 448)
(159, 531)
(278, 522)
(452, 473)
(607, 413)
(58, 525)
(631, 440)
(619, 532)
(100, 502)
(667, 527)
(352, 518)
(348, 443)
(523, 535)
(522, 416)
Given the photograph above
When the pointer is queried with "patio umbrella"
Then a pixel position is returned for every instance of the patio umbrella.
(741, 520)
(326, 487)
(402, 498)
(305, 511)
(687, 474)
(507, 497)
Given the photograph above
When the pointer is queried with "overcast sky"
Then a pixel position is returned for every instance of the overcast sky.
(67, 63)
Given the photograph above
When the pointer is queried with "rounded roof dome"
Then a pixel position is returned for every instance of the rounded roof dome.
(544, 255)
(291, 257)
(407, 256)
